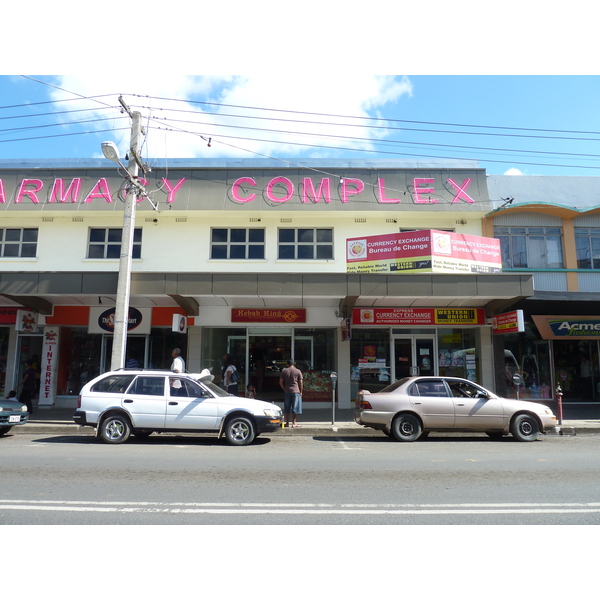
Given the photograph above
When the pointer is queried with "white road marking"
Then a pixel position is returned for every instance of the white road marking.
(266, 508)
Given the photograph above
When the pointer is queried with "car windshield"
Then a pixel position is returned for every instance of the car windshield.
(215, 389)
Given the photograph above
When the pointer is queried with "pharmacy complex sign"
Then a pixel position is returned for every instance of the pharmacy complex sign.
(427, 251)
(230, 189)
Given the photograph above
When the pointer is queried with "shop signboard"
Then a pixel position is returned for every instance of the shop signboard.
(575, 327)
(268, 315)
(102, 320)
(418, 316)
(510, 322)
(48, 367)
(427, 251)
(27, 321)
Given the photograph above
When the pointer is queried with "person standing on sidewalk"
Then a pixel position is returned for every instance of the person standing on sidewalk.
(291, 383)
(29, 387)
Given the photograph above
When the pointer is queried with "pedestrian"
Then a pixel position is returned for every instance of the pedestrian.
(131, 362)
(29, 386)
(291, 383)
(178, 364)
(250, 392)
(230, 375)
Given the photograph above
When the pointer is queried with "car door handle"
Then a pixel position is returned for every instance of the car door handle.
(127, 401)
(460, 403)
(173, 403)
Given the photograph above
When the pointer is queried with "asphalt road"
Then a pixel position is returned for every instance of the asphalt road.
(198, 480)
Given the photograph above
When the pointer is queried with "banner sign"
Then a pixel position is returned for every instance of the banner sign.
(27, 321)
(427, 251)
(180, 324)
(102, 320)
(49, 366)
(510, 322)
(268, 315)
(8, 316)
(580, 327)
(418, 316)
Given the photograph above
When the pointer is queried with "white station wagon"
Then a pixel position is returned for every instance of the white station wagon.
(140, 402)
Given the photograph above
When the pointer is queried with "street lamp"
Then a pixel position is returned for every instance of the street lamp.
(124, 280)
(334, 378)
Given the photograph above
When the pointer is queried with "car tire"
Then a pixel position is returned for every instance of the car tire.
(115, 429)
(406, 428)
(240, 431)
(4, 430)
(525, 428)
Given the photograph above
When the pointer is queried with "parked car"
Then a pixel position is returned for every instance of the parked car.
(12, 412)
(414, 406)
(140, 402)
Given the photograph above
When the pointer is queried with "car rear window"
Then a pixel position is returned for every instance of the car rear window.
(114, 384)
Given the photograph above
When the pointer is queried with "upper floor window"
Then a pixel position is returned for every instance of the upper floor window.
(237, 243)
(530, 247)
(587, 243)
(18, 243)
(106, 243)
(306, 244)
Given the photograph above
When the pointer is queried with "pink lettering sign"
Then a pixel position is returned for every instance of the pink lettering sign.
(279, 182)
(32, 193)
(382, 195)
(58, 193)
(309, 194)
(461, 191)
(235, 189)
(2, 192)
(351, 187)
(172, 189)
(419, 190)
(100, 190)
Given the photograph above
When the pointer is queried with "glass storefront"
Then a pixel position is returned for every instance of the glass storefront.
(4, 336)
(380, 356)
(83, 356)
(260, 353)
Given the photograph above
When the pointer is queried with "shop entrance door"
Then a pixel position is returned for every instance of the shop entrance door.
(137, 349)
(413, 355)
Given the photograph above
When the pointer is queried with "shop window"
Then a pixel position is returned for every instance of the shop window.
(237, 244)
(530, 247)
(305, 244)
(106, 243)
(587, 242)
(18, 243)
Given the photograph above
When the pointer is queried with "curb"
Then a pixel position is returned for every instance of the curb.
(307, 429)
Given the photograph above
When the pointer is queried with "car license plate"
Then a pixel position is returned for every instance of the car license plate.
(14, 419)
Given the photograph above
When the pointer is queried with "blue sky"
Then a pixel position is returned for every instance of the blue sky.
(546, 125)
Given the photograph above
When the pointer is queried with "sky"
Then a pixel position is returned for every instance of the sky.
(520, 124)
(507, 86)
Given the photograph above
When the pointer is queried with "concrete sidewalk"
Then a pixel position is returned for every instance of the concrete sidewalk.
(578, 419)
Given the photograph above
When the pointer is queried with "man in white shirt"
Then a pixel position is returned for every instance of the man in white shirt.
(178, 365)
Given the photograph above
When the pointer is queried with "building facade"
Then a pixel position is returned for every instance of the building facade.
(252, 258)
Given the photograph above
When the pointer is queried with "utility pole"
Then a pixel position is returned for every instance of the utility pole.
(124, 280)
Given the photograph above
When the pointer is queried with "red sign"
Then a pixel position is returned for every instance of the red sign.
(510, 322)
(8, 316)
(268, 315)
(418, 316)
(427, 251)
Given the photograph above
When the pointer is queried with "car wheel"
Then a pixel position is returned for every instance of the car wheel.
(115, 429)
(4, 430)
(525, 428)
(406, 428)
(239, 431)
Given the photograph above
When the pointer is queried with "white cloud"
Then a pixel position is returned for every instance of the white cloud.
(180, 129)
(514, 171)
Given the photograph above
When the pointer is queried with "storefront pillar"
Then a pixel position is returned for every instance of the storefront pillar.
(344, 394)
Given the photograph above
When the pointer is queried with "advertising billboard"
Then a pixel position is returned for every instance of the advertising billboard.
(427, 251)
